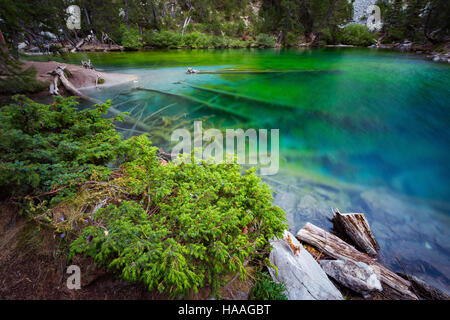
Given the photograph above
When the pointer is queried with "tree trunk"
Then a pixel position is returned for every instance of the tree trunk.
(87, 16)
(3, 45)
(356, 227)
(394, 286)
(71, 89)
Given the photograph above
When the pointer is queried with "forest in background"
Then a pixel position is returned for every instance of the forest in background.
(41, 26)
(213, 23)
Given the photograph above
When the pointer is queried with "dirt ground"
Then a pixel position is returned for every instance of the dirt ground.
(33, 267)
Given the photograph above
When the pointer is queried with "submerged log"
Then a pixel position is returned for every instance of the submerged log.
(200, 102)
(356, 227)
(267, 71)
(59, 72)
(240, 96)
(394, 286)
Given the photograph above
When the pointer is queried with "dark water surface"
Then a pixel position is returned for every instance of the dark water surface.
(361, 130)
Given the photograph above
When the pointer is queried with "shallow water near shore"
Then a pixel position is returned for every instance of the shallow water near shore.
(360, 130)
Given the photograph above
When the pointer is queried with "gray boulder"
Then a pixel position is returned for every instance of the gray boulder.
(357, 276)
(303, 276)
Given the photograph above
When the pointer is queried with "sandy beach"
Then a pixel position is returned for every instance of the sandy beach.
(81, 78)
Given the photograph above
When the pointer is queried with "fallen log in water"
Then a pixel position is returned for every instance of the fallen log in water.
(59, 72)
(268, 71)
(195, 100)
(356, 227)
(394, 286)
(240, 96)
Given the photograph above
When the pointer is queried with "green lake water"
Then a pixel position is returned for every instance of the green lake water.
(360, 130)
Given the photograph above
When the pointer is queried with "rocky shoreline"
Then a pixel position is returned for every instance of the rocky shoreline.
(319, 265)
(429, 52)
(433, 53)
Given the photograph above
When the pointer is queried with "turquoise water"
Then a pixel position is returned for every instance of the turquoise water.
(362, 130)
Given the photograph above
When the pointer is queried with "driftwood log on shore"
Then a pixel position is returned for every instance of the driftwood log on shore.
(356, 227)
(394, 286)
(59, 71)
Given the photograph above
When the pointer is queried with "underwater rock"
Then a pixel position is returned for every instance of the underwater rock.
(439, 57)
(308, 206)
(303, 276)
(287, 201)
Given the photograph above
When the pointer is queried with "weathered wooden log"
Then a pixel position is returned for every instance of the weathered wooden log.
(54, 86)
(394, 286)
(78, 45)
(89, 38)
(71, 88)
(357, 276)
(356, 227)
(425, 290)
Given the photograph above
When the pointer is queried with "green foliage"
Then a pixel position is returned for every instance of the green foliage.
(312, 20)
(328, 37)
(191, 225)
(291, 39)
(265, 41)
(416, 20)
(233, 29)
(356, 34)
(164, 39)
(218, 42)
(24, 20)
(267, 289)
(309, 17)
(45, 147)
(130, 38)
(14, 79)
(196, 40)
(176, 227)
